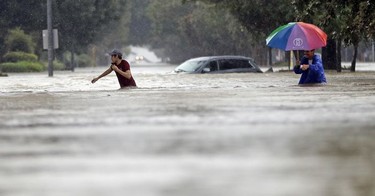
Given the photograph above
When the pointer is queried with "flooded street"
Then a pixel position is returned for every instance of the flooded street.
(186, 135)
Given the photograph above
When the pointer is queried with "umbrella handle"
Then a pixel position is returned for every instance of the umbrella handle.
(297, 56)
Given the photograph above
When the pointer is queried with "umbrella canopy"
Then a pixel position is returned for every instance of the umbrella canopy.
(297, 36)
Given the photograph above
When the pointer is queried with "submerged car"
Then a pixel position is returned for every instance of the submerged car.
(219, 64)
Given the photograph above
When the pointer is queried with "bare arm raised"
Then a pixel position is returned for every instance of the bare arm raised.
(106, 72)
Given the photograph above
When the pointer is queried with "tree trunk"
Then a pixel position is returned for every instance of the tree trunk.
(352, 68)
(338, 65)
(329, 55)
(72, 61)
(287, 56)
(269, 57)
(270, 69)
(298, 54)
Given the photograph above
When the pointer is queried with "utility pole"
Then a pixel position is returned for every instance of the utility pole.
(50, 38)
(373, 51)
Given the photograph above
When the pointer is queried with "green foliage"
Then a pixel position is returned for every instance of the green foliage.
(22, 66)
(351, 21)
(116, 33)
(80, 23)
(347, 21)
(57, 65)
(84, 60)
(78, 30)
(196, 29)
(28, 15)
(17, 40)
(19, 56)
(258, 17)
(140, 25)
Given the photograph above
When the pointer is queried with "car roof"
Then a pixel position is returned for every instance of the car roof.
(205, 58)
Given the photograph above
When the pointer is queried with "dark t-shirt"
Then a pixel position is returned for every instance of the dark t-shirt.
(124, 82)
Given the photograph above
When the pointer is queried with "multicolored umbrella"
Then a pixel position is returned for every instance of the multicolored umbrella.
(297, 36)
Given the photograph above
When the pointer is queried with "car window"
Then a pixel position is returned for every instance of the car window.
(212, 65)
(190, 66)
(246, 64)
(235, 64)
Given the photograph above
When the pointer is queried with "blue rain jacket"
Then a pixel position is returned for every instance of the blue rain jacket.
(315, 73)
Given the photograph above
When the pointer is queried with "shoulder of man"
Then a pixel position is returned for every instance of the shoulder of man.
(125, 64)
(317, 58)
(123, 61)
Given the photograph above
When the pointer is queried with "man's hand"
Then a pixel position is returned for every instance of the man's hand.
(94, 80)
(114, 68)
(305, 67)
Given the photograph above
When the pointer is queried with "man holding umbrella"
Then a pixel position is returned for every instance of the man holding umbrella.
(311, 68)
(296, 36)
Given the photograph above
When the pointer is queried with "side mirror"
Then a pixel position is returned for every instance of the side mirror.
(206, 70)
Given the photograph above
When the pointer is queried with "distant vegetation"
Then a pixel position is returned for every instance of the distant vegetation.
(20, 56)
(22, 66)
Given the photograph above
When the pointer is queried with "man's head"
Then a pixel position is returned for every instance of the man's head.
(115, 55)
(309, 53)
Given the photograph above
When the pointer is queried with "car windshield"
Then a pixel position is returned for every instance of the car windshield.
(190, 66)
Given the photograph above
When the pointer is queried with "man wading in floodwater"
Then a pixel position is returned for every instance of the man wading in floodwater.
(122, 69)
(311, 68)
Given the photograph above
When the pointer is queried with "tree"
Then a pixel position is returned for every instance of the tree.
(350, 21)
(28, 15)
(18, 41)
(80, 23)
(196, 29)
(360, 18)
(311, 11)
(259, 17)
(78, 30)
(140, 23)
(114, 34)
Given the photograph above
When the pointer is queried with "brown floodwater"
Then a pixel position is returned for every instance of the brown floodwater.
(183, 135)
